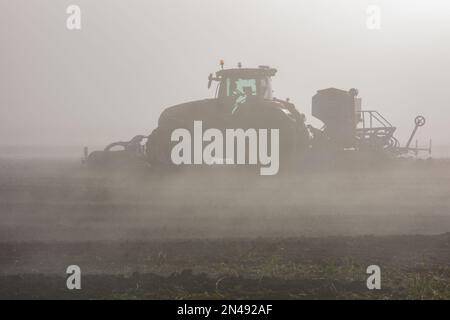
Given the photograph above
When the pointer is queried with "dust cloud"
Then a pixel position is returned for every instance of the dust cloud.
(48, 200)
(62, 90)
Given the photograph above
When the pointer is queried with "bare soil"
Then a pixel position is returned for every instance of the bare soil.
(144, 235)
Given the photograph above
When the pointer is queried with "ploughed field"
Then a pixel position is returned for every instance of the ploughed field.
(224, 235)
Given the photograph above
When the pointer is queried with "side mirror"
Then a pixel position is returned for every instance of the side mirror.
(210, 79)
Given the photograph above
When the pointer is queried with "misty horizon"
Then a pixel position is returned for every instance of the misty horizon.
(110, 80)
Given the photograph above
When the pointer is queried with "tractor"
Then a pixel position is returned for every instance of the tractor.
(244, 100)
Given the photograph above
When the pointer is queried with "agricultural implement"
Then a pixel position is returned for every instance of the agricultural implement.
(243, 100)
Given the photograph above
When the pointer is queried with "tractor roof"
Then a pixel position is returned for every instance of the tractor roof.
(262, 71)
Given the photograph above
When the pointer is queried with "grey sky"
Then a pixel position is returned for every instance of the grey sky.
(110, 80)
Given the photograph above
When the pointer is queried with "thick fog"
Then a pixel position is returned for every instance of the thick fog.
(131, 59)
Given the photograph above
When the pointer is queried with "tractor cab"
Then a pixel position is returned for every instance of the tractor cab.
(241, 83)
